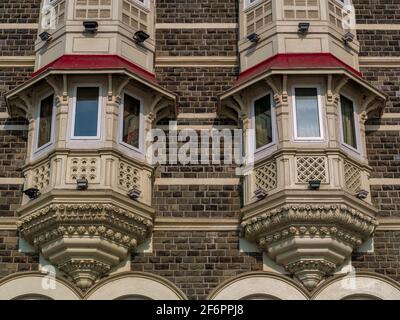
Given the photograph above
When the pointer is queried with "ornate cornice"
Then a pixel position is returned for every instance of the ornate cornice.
(105, 220)
(318, 219)
(309, 240)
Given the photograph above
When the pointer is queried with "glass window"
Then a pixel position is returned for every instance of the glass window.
(131, 121)
(348, 122)
(263, 121)
(45, 121)
(307, 113)
(86, 112)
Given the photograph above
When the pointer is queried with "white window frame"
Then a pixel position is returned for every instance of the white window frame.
(141, 123)
(144, 4)
(99, 113)
(248, 5)
(320, 112)
(273, 121)
(53, 123)
(344, 3)
(356, 125)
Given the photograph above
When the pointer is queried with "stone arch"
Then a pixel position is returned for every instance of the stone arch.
(358, 286)
(135, 284)
(257, 285)
(35, 285)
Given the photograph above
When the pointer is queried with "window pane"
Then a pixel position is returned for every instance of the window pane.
(349, 126)
(262, 110)
(86, 112)
(45, 121)
(307, 113)
(131, 121)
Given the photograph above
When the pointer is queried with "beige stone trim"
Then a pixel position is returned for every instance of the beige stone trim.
(4, 115)
(194, 61)
(382, 128)
(391, 116)
(272, 286)
(387, 224)
(198, 127)
(19, 26)
(11, 180)
(378, 27)
(385, 182)
(17, 61)
(191, 181)
(16, 127)
(31, 283)
(195, 224)
(8, 223)
(197, 25)
(196, 115)
(380, 62)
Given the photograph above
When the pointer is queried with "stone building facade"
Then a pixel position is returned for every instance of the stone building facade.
(313, 85)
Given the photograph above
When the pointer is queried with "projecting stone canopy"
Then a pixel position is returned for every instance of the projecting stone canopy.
(85, 241)
(309, 241)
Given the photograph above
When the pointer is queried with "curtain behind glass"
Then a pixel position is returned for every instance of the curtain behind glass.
(131, 124)
(86, 112)
(307, 113)
(262, 109)
(349, 130)
(45, 121)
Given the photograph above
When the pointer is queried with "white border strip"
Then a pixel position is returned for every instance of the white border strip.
(197, 181)
(197, 25)
(12, 181)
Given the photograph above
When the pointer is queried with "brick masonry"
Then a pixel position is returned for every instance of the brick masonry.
(386, 257)
(26, 11)
(197, 11)
(197, 261)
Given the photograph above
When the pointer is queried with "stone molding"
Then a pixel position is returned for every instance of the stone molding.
(309, 239)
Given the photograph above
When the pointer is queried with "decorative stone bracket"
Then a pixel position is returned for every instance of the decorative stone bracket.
(85, 240)
(309, 240)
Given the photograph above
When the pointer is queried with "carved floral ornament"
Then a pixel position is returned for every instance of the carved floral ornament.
(108, 221)
(297, 235)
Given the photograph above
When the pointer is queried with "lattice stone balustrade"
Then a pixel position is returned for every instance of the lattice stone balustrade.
(107, 171)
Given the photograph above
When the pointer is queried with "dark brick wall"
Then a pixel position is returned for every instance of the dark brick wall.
(379, 42)
(196, 261)
(386, 257)
(17, 42)
(197, 88)
(10, 78)
(197, 11)
(196, 42)
(377, 11)
(26, 11)
(11, 260)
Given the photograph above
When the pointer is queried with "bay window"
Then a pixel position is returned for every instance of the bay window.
(263, 121)
(348, 122)
(131, 121)
(86, 118)
(307, 114)
(45, 122)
